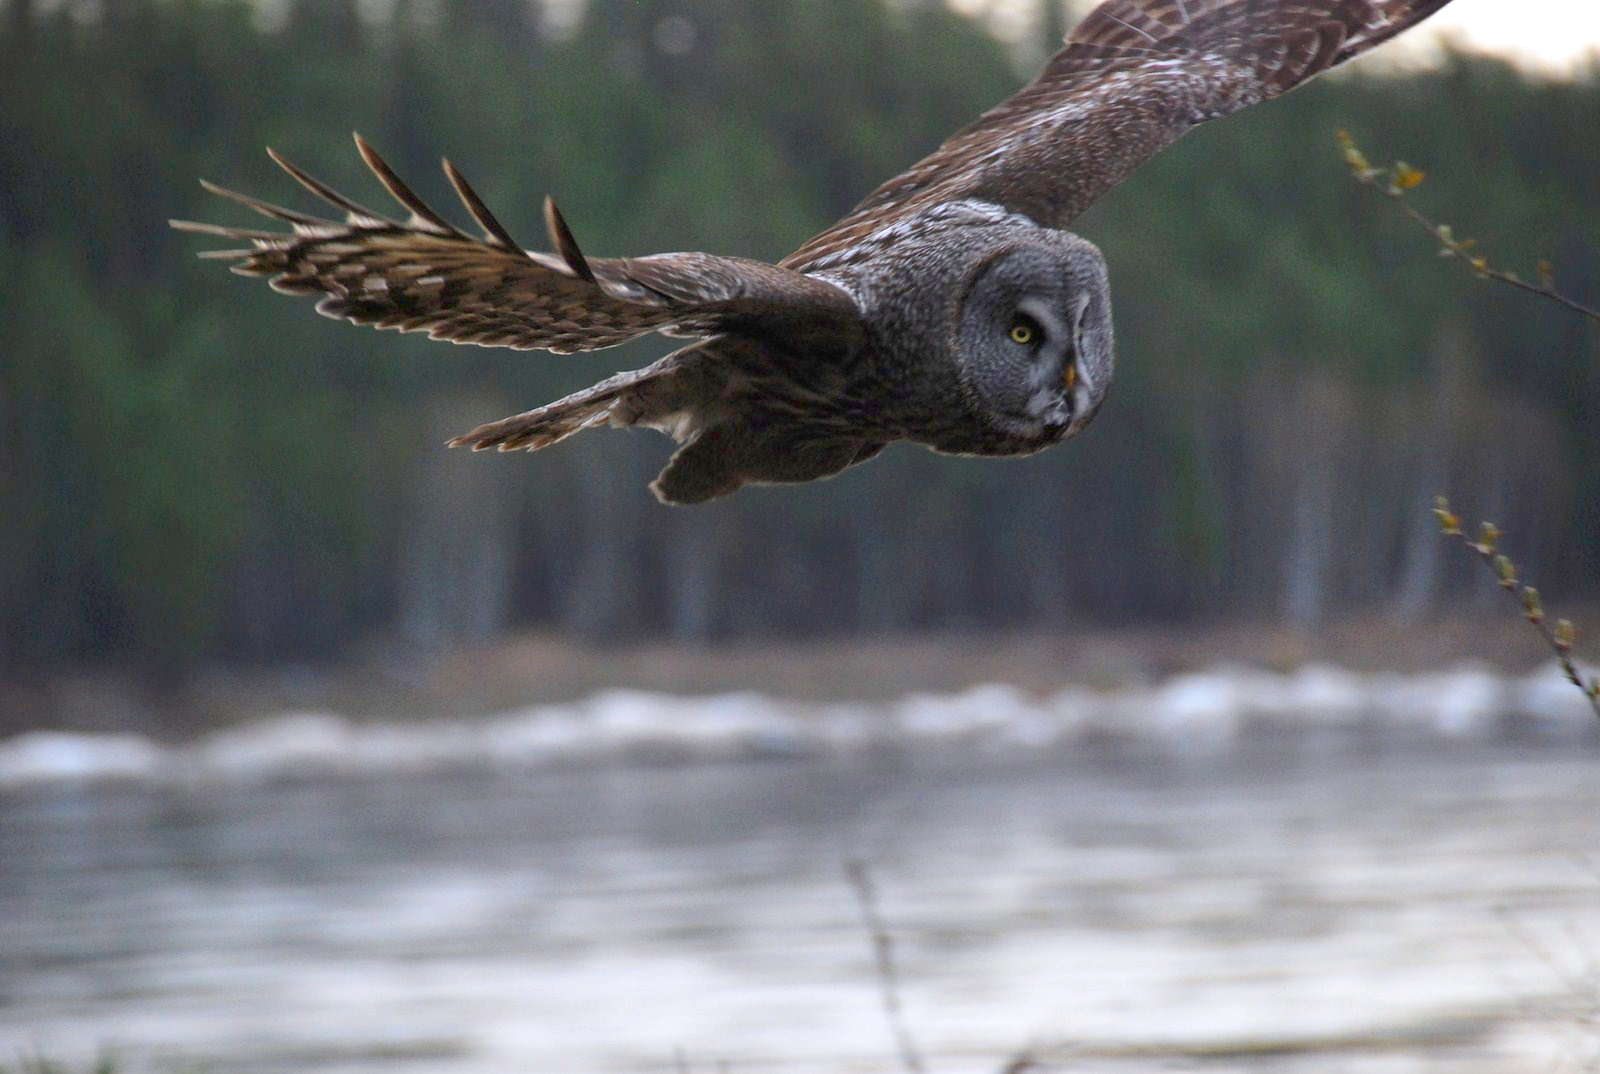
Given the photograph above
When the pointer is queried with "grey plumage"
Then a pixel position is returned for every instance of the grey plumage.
(950, 308)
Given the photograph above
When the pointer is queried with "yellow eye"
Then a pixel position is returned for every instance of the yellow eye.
(1023, 334)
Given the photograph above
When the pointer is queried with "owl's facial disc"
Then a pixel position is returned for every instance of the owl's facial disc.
(1030, 341)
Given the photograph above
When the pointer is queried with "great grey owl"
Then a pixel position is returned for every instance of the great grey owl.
(949, 308)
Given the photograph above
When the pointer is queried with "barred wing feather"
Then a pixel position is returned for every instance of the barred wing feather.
(422, 274)
(1133, 78)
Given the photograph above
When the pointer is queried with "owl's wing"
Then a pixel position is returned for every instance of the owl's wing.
(422, 274)
(1134, 77)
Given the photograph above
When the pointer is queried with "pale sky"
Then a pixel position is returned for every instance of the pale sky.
(1554, 35)
(1545, 33)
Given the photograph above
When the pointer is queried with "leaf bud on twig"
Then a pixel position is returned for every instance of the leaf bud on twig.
(1566, 635)
(1533, 605)
(1449, 522)
(1507, 571)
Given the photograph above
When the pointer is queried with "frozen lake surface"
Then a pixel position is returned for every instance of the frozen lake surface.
(1329, 899)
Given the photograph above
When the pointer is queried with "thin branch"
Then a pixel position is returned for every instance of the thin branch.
(1563, 638)
(1027, 1062)
(1399, 180)
(888, 975)
(1395, 183)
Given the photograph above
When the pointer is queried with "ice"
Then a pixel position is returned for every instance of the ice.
(1551, 702)
(1287, 909)
(56, 757)
(303, 742)
(1201, 712)
(984, 712)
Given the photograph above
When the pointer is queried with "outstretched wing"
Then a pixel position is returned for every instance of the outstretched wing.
(422, 274)
(1135, 76)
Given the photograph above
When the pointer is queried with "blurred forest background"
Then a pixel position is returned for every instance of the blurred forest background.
(194, 471)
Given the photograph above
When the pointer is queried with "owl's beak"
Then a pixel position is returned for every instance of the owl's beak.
(1079, 392)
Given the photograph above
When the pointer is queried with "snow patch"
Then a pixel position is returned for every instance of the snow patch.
(1204, 712)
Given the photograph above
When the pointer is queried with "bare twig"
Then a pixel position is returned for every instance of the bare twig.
(1399, 180)
(1395, 183)
(888, 975)
(1563, 638)
(1024, 1063)
(1578, 974)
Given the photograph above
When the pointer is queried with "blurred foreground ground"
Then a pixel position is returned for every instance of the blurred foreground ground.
(1369, 851)
(1314, 901)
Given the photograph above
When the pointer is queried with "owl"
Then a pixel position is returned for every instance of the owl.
(951, 308)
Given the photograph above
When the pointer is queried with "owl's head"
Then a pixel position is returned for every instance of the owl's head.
(1033, 335)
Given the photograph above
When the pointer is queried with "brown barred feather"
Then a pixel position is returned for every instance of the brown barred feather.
(424, 275)
(422, 217)
(567, 246)
(556, 421)
(328, 194)
(493, 232)
(1134, 77)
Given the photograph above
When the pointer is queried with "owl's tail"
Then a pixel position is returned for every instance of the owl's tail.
(651, 396)
(723, 450)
